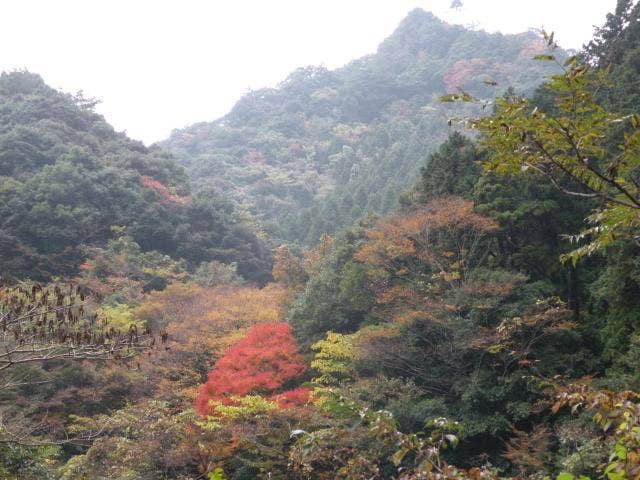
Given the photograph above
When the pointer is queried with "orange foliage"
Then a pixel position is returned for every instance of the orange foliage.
(167, 195)
(318, 252)
(445, 234)
(414, 256)
(201, 323)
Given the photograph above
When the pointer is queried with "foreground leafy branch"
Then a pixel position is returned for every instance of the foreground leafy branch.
(569, 144)
(370, 445)
(45, 323)
(618, 414)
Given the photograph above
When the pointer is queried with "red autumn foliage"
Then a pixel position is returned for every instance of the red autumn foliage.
(262, 362)
(165, 193)
(292, 398)
(461, 73)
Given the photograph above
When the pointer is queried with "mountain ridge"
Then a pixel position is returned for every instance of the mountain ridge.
(327, 147)
(67, 178)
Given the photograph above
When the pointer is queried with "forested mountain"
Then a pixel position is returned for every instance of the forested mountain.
(486, 328)
(327, 146)
(67, 178)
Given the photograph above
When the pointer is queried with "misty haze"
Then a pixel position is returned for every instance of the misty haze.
(320, 240)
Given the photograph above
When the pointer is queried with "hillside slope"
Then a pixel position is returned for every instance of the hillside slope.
(326, 147)
(67, 178)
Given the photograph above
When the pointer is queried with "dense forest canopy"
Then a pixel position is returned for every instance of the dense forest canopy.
(67, 178)
(327, 146)
(224, 306)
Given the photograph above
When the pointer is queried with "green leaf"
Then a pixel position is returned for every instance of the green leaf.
(217, 474)
(565, 476)
(610, 467)
(621, 451)
(399, 456)
(544, 57)
(616, 476)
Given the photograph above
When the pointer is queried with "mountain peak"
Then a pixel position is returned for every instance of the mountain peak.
(20, 81)
(418, 31)
(335, 141)
(419, 15)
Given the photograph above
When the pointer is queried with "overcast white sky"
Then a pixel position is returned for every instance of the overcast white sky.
(159, 64)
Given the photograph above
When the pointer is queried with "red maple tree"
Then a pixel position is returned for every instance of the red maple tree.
(167, 195)
(263, 362)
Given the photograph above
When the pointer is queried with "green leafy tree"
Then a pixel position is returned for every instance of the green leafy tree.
(452, 170)
(66, 177)
(568, 145)
(334, 297)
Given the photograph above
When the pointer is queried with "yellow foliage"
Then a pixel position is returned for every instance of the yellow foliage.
(238, 408)
(201, 322)
(120, 317)
(335, 359)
